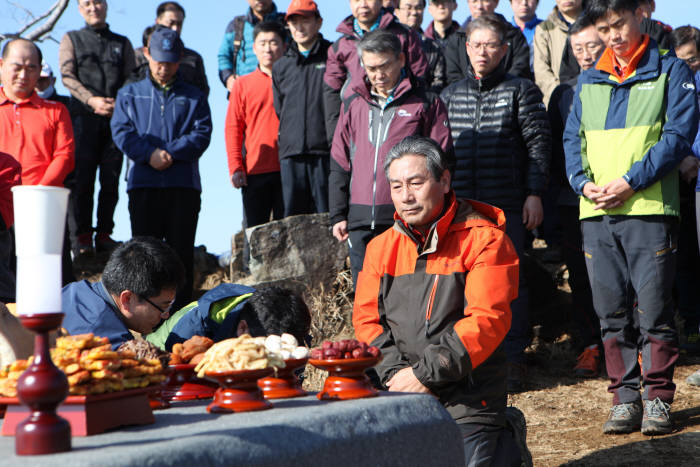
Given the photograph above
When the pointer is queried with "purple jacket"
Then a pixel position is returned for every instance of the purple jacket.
(358, 191)
(343, 64)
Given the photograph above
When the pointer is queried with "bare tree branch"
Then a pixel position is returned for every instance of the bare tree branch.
(39, 27)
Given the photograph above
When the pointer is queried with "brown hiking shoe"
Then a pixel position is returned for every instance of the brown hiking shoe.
(588, 363)
(624, 418)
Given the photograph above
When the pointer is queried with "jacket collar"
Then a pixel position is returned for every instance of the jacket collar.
(556, 19)
(346, 27)
(252, 19)
(293, 49)
(33, 100)
(430, 30)
(489, 81)
(101, 30)
(649, 67)
(460, 214)
(404, 86)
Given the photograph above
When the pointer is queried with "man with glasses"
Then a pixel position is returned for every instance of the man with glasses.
(136, 292)
(502, 144)
(516, 58)
(410, 14)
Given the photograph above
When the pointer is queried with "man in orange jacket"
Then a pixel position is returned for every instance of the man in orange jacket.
(434, 295)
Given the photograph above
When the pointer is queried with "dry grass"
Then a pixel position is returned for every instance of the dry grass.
(331, 319)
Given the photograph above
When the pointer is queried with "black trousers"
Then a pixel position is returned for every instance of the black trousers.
(357, 241)
(262, 197)
(169, 214)
(94, 149)
(585, 320)
(304, 184)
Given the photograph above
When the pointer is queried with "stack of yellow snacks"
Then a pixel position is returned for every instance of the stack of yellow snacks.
(92, 367)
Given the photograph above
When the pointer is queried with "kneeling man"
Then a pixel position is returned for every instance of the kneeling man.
(434, 295)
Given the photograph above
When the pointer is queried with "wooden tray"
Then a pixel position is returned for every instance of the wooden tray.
(92, 414)
(183, 385)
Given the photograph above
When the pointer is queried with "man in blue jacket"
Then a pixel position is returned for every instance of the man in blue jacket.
(136, 292)
(163, 125)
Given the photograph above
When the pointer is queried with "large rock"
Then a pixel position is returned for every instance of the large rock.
(16, 342)
(301, 248)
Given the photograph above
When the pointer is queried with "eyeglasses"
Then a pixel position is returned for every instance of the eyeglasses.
(592, 48)
(488, 46)
(163, 313)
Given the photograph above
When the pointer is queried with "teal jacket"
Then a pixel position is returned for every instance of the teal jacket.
(639, 129)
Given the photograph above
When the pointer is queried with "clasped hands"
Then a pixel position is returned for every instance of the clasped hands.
(160, 159)
(611, 195)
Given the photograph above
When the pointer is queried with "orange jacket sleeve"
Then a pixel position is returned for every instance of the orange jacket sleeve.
(63, 157)
(235, 128)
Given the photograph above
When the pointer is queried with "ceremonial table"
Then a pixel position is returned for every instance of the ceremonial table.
(392, 429)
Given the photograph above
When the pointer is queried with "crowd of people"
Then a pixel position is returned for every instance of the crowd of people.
(439, 155)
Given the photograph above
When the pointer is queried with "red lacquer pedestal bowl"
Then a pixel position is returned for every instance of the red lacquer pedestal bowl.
(346, 378)
(285, 384)
(184, 385)
(239, 391)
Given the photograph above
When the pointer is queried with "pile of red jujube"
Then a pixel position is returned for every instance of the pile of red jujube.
(347, 348)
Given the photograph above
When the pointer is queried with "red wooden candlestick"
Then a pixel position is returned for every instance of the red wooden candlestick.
(42, 387)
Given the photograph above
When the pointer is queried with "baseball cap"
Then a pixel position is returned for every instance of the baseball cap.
(303, 8)
(46, 70)
(165, 45)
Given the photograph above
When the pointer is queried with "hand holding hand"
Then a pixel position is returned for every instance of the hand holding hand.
(160, 159)
(103, 106)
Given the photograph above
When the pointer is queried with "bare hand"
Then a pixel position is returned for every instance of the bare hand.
(598, 195)
(405, 381)
(340, 231)
(533, 214)
(689, 168)
(160, 159)
(229, 82)
(239, 179)
(616, 191)
(102, 105)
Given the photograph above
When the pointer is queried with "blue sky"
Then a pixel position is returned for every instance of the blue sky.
(205, 22)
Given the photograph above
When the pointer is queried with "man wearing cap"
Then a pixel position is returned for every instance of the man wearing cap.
(163, 125)
(95, 62)
(172, 15)
(297, 85)
(36, 132)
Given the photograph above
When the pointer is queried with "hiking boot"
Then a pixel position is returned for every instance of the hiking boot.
(517, 423)
(624, 418)
(105, 244)
(588, 363)
(657, 418)
(84, 246)
(516, 377)
(694, 379)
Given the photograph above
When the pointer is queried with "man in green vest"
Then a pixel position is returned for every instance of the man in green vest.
(634, 118)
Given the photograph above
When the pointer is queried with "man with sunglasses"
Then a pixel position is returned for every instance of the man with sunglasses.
(136, 292)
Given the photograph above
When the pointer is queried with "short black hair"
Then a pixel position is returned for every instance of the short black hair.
(684, 35)
(6, 48)
(597, 9)
(491, 22)
(270, 26)
(276, 310)
(581, 23)
(169, 6)
(144, 265)
(147, 34)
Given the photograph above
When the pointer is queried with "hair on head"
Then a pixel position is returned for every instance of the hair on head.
(275, 310)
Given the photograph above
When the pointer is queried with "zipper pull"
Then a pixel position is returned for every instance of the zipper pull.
(427, 327)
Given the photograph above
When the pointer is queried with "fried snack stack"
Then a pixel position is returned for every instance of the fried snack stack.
(191, 351)
(92, 367)
(238, 353)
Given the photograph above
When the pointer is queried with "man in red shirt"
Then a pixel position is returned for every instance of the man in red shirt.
(36, 132)
(251, 118)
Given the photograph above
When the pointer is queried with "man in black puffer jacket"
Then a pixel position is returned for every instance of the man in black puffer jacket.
(502, 143)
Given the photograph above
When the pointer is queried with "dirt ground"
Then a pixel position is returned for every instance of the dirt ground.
(565, 416)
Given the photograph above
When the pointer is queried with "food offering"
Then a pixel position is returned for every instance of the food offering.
(107, 388)
(346, 362)
(191, 351)
(285, 382)
(183, 384)
(237, 364)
